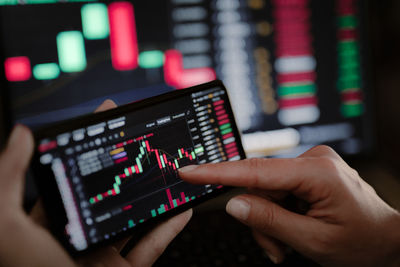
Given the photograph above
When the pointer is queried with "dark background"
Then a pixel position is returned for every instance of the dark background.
(382, 170)
(385, 43)
(384, 33)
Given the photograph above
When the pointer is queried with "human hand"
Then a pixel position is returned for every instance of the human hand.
(345, 224)
(24, 240)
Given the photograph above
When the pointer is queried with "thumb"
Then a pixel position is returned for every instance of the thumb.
(273, 220)
(14, 162)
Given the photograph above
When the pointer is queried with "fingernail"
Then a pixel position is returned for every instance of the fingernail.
(272, 257)
(238, 208)
(188, 168)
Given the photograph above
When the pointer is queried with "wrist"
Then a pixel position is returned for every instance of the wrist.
(393, 243)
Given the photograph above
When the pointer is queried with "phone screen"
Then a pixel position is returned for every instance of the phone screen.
(121, 171)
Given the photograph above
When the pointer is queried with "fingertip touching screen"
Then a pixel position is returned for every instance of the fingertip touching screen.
(119, 172)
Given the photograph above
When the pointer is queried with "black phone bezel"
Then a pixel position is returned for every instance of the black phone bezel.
(48, 189)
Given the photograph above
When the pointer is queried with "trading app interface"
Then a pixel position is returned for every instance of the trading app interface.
(294, 68)
(119, 173)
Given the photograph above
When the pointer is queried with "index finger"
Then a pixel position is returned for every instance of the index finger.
(301, 176)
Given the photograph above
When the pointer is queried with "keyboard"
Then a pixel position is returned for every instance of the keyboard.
(214, 238)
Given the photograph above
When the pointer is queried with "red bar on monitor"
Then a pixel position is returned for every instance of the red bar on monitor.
(289, 28)
(226, 136)
(231, 150)
(183, 197)
(121, 160)
(123, 36)
(158, 160)
(17, 69)
(223, 122)
(233, 155)
(230, 145)
(165, 159)
(296, 77)
(219, 102)
(171, 203)
(47, 146)
(173, 67)
(351, 96)
(347, 34)
(128, 207)
(147, 145)
(292, 14)
(196, 76)
(222, 117)
(297, 102)
(176, 76)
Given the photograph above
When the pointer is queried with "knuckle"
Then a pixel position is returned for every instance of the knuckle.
(265, 218)
(370, 188)
(254, 165)
(322, 245)
(354, 173)
(324, 150)
(328, 164)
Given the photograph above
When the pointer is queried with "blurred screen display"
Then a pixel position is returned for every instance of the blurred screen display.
(294, 69)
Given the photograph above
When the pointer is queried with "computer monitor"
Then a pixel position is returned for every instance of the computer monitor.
(295, 69)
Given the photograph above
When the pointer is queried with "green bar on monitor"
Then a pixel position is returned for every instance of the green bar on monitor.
(350, 110)
(347, 22)
(95, 21)
(162, 161)
(225, 126)
(198, 150)
(116, 189)
(151, 59)
(161, 209)
(153, 213)
(297, 89)
(46, 71)
(8, 2)
(226, 131)
(139, 164)
(71, 51)
(40, 1)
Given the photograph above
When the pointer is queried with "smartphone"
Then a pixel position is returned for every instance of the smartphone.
(105, 175)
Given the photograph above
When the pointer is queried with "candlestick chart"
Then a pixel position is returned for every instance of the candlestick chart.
(143, 166)
(167, 165)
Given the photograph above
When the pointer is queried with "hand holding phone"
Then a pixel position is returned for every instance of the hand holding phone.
(104, 176)
(26, 241)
